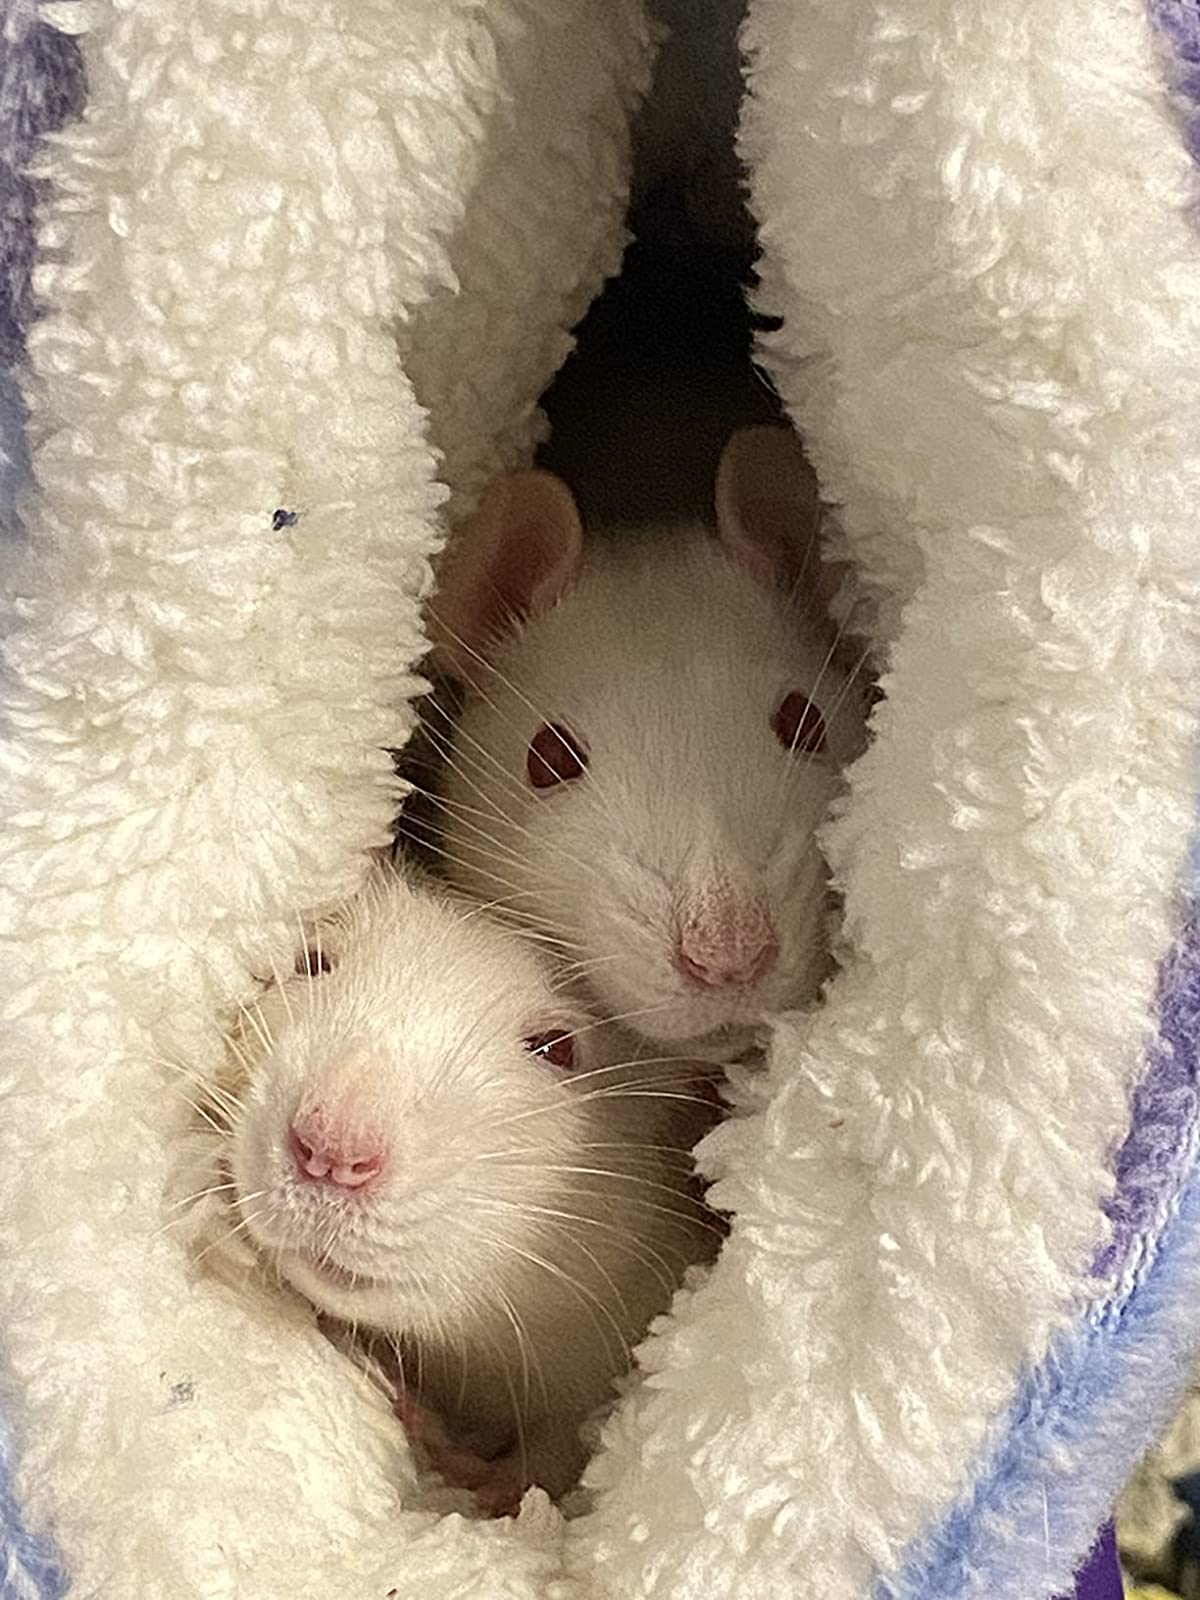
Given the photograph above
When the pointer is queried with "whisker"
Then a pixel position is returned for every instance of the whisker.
(227, 1238)
(498, 1206)
(208, 1086)
(522, 1347)
(203, 1194)
(558, 1274)
(513, 689)
(459, 765)
(425, 833)
(635, 1247)
(610, 1174)
(253, 1015)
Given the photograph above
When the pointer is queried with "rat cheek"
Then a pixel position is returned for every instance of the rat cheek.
(268, 1106)
(619, 914)
(563, 869)
(785, 859)
(251, 1165)
(803, 910)
(796, 897)
(632, 947)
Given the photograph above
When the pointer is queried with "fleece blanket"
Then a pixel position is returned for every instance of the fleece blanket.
(303, 268)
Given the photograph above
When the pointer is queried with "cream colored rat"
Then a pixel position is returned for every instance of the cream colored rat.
(428, 1139)
(655, 726)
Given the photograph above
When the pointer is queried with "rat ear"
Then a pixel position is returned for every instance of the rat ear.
(769, 509)
(515, 558)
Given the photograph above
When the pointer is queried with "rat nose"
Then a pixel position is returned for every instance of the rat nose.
(343, 1157)
(725, 943)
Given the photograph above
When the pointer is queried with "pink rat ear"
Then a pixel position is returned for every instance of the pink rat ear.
(769, 511)
(515, 558)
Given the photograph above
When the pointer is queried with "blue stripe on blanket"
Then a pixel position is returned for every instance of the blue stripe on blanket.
(27, 1570)
(1059, 1459)
(14, 457)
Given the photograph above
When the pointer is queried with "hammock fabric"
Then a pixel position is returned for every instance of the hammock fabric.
(303, 269)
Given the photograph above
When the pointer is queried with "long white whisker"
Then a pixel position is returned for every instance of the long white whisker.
(455, 762)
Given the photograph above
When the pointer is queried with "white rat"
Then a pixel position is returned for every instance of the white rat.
(653, 731)
(427, 1139)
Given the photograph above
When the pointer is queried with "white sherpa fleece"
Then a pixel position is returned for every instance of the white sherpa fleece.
(200, 693)
(974, 222)
(977, 226)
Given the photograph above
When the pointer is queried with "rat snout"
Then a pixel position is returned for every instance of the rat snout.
(335, 1150)
(726, 938)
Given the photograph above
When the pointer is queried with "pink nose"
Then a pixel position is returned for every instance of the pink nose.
(334, 1156)
(725, 944)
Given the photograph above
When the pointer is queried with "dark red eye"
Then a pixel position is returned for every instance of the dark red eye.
(312, 962)
(557, 1048)
(798, 724)
(555, 756)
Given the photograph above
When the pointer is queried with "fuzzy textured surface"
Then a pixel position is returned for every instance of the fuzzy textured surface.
(1149, 1511)
(200, 694)
(958, 1296)
(1033, 785)
(41, 86)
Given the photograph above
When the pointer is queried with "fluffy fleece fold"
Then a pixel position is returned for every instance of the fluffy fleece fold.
(41, 84)
(977, 232)
(201, 691)
(1109, 1381)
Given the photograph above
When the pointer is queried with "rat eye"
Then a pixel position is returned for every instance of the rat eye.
(556, 1047)
(555, 756)
(311, 962)
(798, 725)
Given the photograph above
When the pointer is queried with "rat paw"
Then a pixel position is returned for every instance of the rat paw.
(501, 1490)
(497, 1484)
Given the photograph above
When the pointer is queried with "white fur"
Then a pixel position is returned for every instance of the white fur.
(200, 705)
(974, 220)
(528, 1218)
(668, 662)
(975, 225)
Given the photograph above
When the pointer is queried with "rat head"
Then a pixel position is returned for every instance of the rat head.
(404, 1095)
(653, 733)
